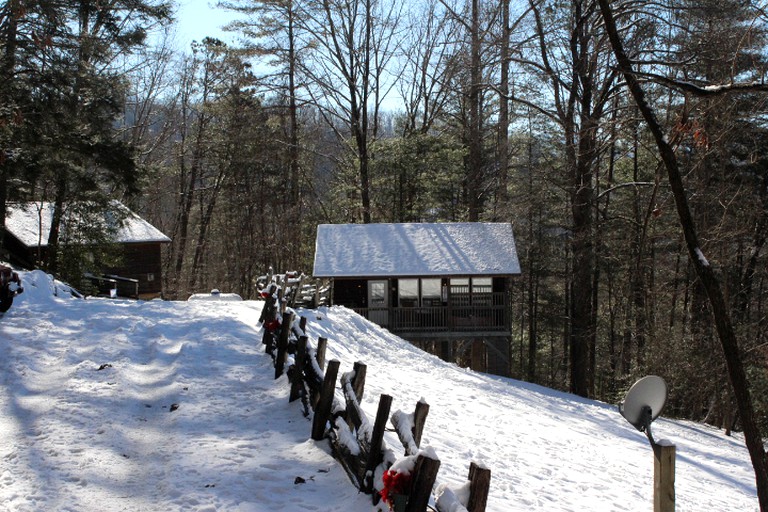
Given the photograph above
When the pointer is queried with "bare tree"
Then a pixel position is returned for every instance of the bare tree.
(429, 67)
(704, 269)
(470, 90)
(346, 76)
(199, 79)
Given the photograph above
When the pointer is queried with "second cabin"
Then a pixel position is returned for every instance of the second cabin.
(137, 273)
(442, 286)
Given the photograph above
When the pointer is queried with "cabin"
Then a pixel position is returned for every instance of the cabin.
(442, 286)
(139, 275)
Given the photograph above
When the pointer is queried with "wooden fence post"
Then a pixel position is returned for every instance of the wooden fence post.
(663, 478)
(298, 369)
(282, 343)
(303, 324)
(424, 476)
(354, 414)
(324, 404)
(281, 304)
(419, 419)
(322, 345)
(411, 439)
(296, 290)
(479, 485)
(268, 314)
(358, 382)
(375, 457)
(269, 341)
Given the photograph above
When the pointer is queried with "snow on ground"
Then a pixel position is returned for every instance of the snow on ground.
(164, 406)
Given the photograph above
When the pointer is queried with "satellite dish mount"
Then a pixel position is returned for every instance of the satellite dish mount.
(646, 417)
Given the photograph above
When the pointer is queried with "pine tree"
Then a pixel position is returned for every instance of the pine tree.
(63, 96)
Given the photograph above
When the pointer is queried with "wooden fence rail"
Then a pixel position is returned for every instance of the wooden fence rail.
(300, 290)
(357, 443)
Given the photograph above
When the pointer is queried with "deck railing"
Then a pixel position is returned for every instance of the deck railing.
(491, 316)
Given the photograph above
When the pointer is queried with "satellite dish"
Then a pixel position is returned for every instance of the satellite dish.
(644, 402)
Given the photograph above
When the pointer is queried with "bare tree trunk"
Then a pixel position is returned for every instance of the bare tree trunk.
(189, 171)
(352, 53)
(52, 255)
(583, 149)
(503, 128)
(294, 205)
(475, 139)
(184, 209)
(532, 285)
(758, 242)
(704, 270)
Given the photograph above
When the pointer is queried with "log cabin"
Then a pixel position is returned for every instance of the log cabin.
(441, 286)
(139, 273)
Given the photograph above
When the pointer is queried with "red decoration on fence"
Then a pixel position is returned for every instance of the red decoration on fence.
(395, 482)
(273, 325)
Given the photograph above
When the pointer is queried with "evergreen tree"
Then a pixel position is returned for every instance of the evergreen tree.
(63, 96)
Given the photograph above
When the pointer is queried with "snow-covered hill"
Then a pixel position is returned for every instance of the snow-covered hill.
(165, 406)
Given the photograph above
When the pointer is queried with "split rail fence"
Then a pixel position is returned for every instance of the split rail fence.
(406, 483)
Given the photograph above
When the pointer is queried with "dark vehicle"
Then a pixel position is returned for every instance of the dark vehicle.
(10, 286)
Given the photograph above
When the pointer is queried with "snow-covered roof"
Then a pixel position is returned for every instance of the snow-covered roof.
(445, 249)
(30, 223)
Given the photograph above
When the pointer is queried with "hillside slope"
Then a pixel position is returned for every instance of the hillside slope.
(163, 406)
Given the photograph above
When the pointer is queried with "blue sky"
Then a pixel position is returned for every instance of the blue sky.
(200, 18)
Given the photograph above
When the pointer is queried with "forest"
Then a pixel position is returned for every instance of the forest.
(626, 142)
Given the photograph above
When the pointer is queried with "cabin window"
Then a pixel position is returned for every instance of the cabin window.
(481, 285)
(482, 289)
(460, 291)
(419, 292)
(476, 291)
(408, 292)
(377, 294)
(430, 292)
(350, 293)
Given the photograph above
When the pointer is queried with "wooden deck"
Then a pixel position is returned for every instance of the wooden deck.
(442, 321)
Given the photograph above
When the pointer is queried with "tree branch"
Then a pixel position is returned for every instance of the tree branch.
(704, 90)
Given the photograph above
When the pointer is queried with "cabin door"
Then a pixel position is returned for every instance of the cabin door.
(378, 302)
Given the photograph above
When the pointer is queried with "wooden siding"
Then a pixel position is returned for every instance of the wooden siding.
(21, 255)
(142, 261)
